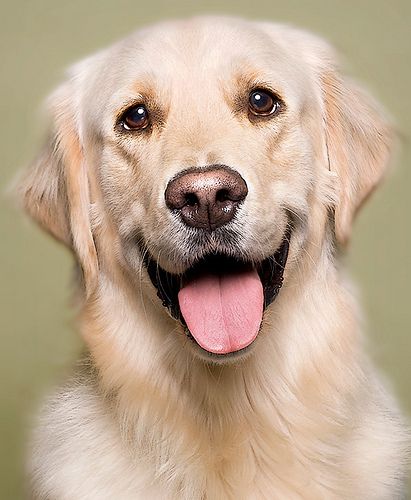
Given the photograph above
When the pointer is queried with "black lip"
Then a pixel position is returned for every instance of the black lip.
(168, 285)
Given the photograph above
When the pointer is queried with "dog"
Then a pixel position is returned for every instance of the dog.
(205, 173)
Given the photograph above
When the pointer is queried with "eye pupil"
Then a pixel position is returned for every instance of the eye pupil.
(263, 102)
(135, 118)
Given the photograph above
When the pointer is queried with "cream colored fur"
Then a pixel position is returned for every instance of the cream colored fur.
(304, 414)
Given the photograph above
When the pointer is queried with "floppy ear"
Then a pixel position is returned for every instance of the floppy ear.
(358, 143)
(55, 191)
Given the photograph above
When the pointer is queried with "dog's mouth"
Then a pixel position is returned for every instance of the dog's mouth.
(221, 299)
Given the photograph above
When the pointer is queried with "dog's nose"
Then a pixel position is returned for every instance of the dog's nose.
(207, 197)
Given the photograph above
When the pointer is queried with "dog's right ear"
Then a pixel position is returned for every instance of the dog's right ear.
(55, 191)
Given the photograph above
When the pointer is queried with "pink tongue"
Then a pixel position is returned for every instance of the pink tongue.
(223, 312)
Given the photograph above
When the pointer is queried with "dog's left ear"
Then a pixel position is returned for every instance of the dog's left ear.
(358, 141)
(55, 190)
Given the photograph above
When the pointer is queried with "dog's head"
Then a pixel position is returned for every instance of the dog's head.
(211, 155)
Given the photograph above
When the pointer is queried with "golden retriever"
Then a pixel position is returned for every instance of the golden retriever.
(205, 174)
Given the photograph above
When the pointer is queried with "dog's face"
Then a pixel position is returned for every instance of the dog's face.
(210, 154)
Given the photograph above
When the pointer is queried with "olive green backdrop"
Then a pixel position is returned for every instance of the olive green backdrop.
(38, 40)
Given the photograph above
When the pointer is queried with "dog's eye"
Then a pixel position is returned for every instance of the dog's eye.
(263, 102)
(135, 118)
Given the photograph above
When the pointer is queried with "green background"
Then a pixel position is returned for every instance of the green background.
(38, 40)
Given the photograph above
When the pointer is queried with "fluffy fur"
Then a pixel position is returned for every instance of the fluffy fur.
(303, 414)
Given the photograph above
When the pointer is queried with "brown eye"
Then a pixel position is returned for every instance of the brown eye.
(135, 118)
(263, 102)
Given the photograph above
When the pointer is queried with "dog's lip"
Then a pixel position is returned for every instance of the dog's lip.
(168, 285)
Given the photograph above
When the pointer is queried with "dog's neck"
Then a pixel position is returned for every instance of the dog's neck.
(169, 402)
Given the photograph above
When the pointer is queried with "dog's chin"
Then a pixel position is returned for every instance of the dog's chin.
(220, 300)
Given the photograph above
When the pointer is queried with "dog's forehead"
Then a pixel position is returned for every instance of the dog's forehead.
(203, 50)
(177, 61)
(199, 45)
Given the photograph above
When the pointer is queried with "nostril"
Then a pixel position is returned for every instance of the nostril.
(191, 199)
(223, 195)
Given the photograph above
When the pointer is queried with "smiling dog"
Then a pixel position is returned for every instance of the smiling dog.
(205, 174)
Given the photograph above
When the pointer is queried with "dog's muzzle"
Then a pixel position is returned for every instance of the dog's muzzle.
(221, 297)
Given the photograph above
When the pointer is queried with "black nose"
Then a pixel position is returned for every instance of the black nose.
(206, 197)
